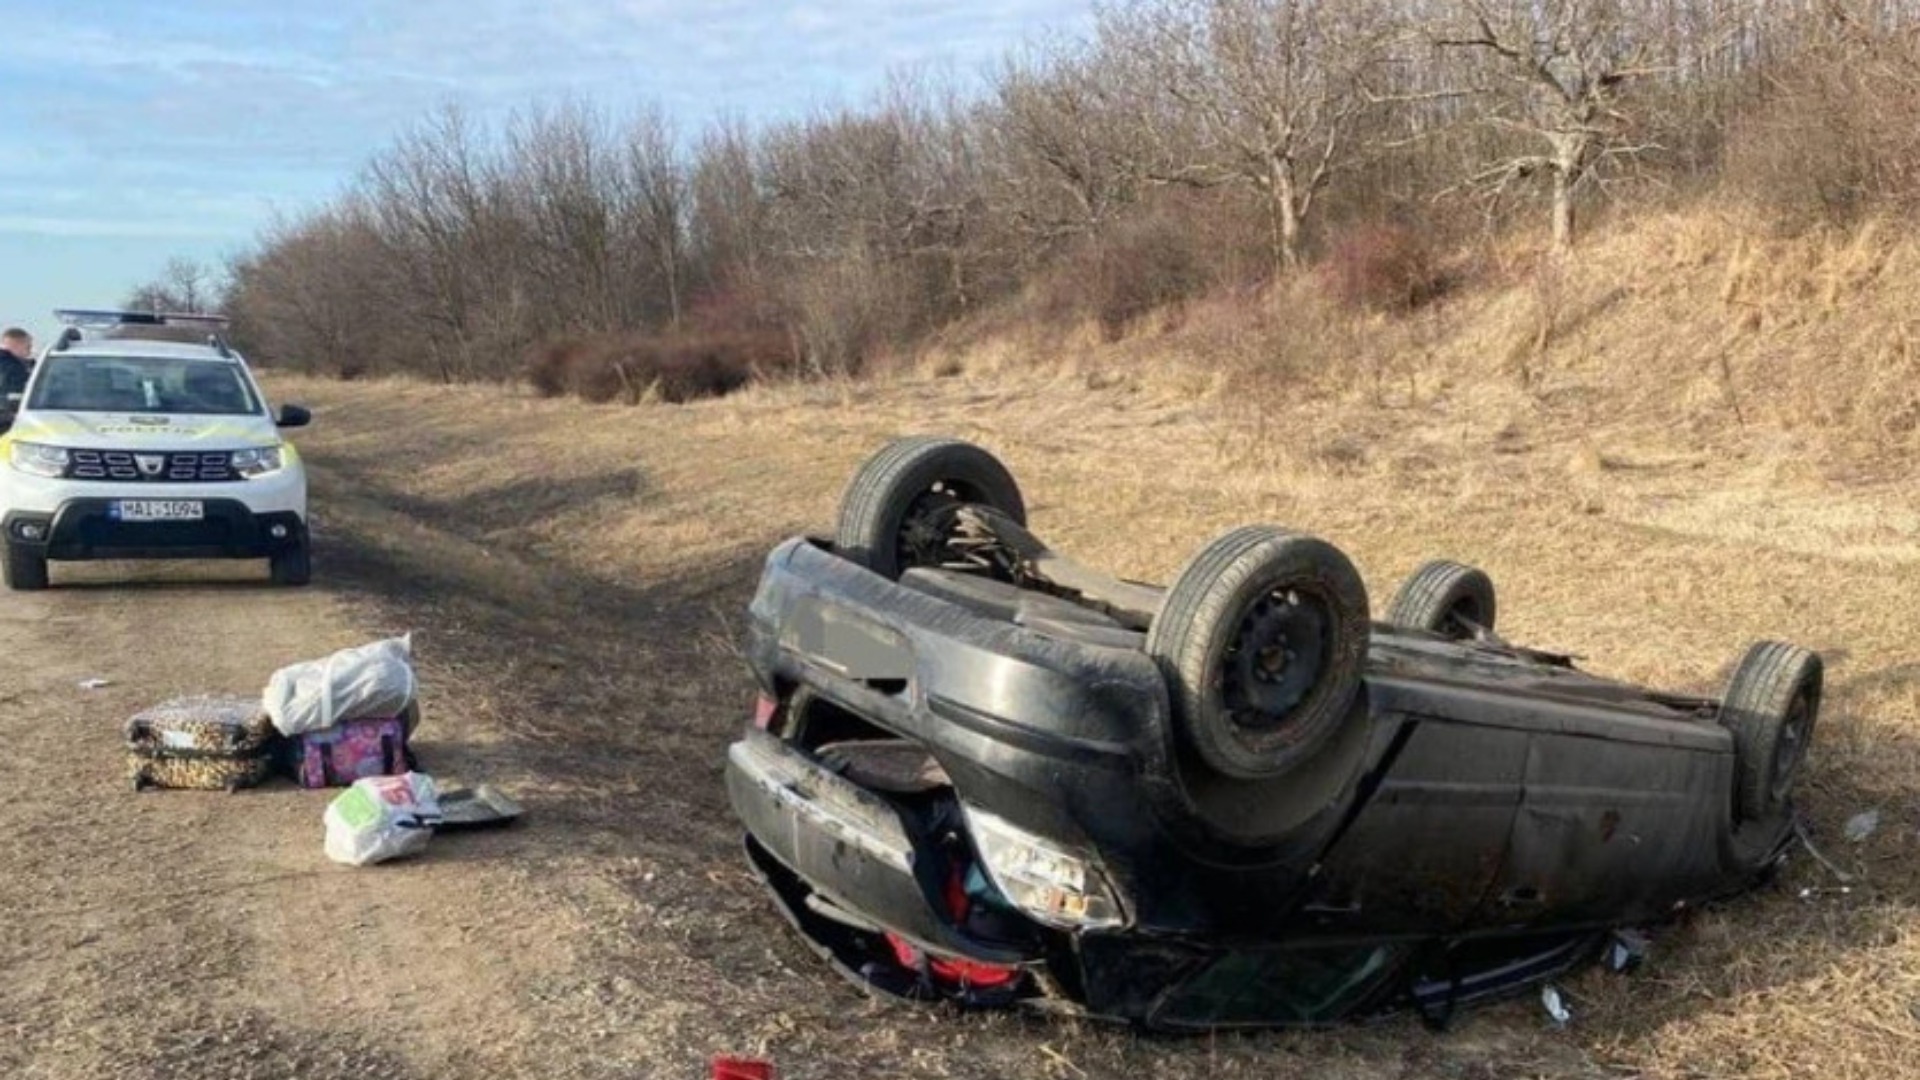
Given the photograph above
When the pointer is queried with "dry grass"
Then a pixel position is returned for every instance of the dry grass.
(1628, 510)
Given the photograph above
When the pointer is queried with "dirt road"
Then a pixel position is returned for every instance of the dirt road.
(576, 599)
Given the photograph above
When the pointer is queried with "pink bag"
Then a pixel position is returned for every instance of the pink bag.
(350, 750)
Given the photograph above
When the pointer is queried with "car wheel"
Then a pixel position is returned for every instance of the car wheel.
(292, 565)
(1771, 705)
(898, 511)
(26, 570)
(1445, 598)
(1262, 639)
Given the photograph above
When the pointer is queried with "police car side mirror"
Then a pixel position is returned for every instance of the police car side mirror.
(293, 416)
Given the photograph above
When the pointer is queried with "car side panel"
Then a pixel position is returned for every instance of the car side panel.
(1612, 830)
(1424, 852)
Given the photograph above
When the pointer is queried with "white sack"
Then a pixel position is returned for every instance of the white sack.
(371, 681)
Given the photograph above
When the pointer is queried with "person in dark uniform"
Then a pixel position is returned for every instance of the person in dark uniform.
(16, 360)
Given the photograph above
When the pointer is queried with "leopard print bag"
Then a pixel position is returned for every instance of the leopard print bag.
(201, 743)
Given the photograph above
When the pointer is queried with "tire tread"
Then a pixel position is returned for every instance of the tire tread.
(1435, 587)
(878, 479)
(1206, 593)
(1764, 685)
(25, 571)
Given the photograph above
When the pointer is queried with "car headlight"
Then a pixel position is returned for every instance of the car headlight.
(39, 459)
(257, 462)
(1047, 882)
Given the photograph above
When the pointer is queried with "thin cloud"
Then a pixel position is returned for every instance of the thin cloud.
(138, 228)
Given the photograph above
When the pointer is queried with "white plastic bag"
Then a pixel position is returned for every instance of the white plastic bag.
(353, 684)
(381, 818)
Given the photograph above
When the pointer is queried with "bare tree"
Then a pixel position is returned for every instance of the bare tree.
(727, 207)
(656, 184)
(1557, 73)
(185, 285)
(318, 296)
(444, 211)
(1266, 93)
(1067, 152)
(560, 165)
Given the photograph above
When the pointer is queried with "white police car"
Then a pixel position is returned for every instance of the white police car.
(127, 445)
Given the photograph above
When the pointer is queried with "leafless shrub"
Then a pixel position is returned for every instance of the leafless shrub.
(550, 366)
(675, 368)
(1142, 266)
(1831, 136)
(1383, 267)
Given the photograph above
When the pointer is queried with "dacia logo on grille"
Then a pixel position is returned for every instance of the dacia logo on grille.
(150, 464)
(149, 421)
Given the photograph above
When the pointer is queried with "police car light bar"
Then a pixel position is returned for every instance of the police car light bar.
(102, 318)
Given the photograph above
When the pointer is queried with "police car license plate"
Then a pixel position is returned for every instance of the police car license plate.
(159, 510)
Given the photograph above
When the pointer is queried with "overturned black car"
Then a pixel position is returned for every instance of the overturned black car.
(981, 771)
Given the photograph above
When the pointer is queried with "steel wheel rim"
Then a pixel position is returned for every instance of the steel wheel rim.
(1277, 656)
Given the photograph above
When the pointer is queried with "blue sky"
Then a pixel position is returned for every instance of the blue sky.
(132, 131)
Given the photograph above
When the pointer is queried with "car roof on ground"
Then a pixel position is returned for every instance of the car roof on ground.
(139, 347)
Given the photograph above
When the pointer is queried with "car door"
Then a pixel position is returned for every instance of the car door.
(1423, 853)
(1620, 817)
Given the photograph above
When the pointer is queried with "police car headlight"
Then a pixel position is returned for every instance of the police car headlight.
(1049, 883)
(39, 459)
(257, 462)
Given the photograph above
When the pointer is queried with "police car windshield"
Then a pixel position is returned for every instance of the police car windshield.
(164, 386)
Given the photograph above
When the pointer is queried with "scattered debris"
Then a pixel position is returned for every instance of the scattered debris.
(1626, 951)
(95, 683)
(1862, 825)
(1062, 1060)
(1813, 892)
(739, 1068)
(1556, 1005)
(1806, 841)
(479, 808)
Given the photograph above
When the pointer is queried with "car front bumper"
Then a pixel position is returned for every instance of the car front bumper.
(87, 528)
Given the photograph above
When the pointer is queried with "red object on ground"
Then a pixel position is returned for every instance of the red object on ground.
(733, 1068)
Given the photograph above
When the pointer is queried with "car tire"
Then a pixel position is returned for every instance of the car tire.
(1771, 705)
(1445, 598)
(890, 515)
(1243, 714)
(26, 570)
(293, 564)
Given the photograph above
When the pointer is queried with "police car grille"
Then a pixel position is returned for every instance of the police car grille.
(185, 467)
